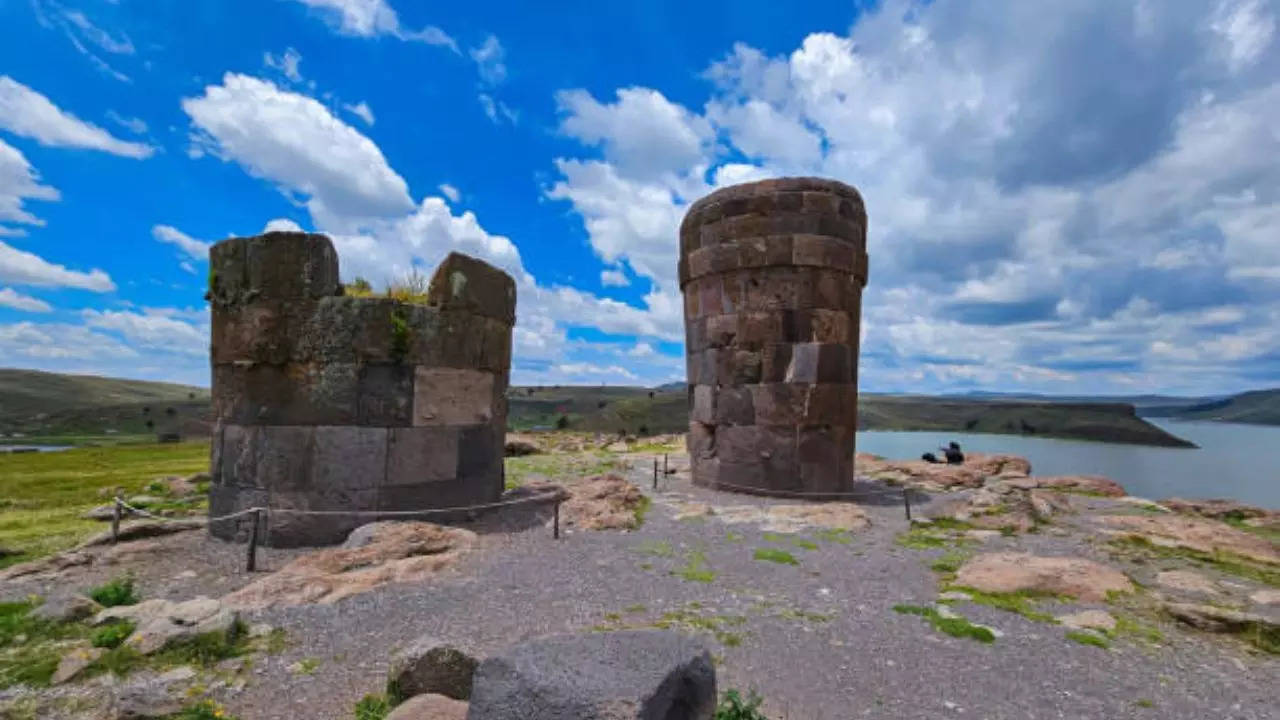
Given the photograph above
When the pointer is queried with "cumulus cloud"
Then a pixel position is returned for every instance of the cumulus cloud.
(371, 18)
(295, 142)
(25, 112)
(11, 298)
(286, 63)
(282, 225)
(193, 248)
(450, 192)
(490, 60)
(614, 278)
(152, 329)
(19, 182)
(19, 267)
(362, 111)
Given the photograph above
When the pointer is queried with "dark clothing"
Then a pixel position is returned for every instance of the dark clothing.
(954, 456)
(929, 457)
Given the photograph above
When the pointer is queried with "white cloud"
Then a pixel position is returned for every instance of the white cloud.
(490, 59)
(286, 62)
(137, 126)
(25, 112)
(18, 182)
(370, 18)
(13, 299)
(295, 142)
(496, 110)
(78, 30)
(29, 344)
(450, 192)
(104, 40)
(282, 225)
(614, 278)
(1247, 29)
(583, 370)
(19, 267)
(362, 111)
(153, 330)
(195, 249)
(642, 133)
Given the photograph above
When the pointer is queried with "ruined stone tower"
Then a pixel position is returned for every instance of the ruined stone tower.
(772, 274)
(332, 403)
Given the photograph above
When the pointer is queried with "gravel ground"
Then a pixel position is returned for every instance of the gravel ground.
(820, 640)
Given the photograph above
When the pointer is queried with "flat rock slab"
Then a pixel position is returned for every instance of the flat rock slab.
(139, 529)
(605, 502)
(429, 666)
(1006, 572)
(626, 675)
(430, 707)
(1193, 533)
(390, 552)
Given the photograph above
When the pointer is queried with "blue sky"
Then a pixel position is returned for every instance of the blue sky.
(1075, 198)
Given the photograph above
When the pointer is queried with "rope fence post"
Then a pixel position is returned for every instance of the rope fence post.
(115, 521)
(251, 561)
(906, 503)
(665, 471)
(655, 474)
(555, 522)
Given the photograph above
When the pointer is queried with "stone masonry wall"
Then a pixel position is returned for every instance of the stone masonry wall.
(772, 274)
(327, 402)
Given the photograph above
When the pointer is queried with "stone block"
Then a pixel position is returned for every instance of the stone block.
(385, 397)
(741, 476)
(700, 262)
(228, 499)
(266, 456)
(804, 363)
(282, 266)
(496, 350)
(480, 450)
(778, 404)
(459, 493)
(261, 332)
(459, 342)
(350, 508)
(695, 335)
(733, 407)
(835, 363)
(701, 441)
(452, 396)
(465, 283)
(756, 329)
(753, 252)
(294, 394)
(796, 326)
(738, 444)
(422, 455)
(775, 359)
(733, 291)
(825, 457)
(828, 326)
(703, 407)
(710, 291)
(747, 368)
(709, 366)
(348, 457)
(721, 330)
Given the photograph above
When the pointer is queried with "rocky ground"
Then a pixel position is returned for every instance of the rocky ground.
(1011, 597)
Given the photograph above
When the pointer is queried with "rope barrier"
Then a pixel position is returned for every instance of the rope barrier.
(798, 494)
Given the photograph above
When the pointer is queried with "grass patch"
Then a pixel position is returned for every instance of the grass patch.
(691, 621)
(45, 493)
(695, 568)
(774, 537)
(203, 710)
(642, 509)
(557, 466)
(112, 635)
(949, 561)
(734, 537)
(656, 548)
(1128, 627)
(276, 642)
(1271, 533)
(636, 608)
(373, 707)
(804, 616)
(1224, 561)
(804, 544)
(733, 706)
(1021, 602)
(120, 591)
(936, 534)
(833, 535)
(955, 627)
(774, 555)
(202, 651)
(1089, 638)
(30, 647)
(308, 666)
(1144, 703)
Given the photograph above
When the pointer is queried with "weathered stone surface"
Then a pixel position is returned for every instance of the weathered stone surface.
(631, 675)
(325, 403)
(393, 552)
(430, 666)
(1187, 581)
(1192, 533)
(430, 707)
(606, 502)
(1089, 620)
(1013, 572)
(140, 529)
(1211, 618)
(1088, 484)
(74, 662)
(66, 608)
(1218, 509)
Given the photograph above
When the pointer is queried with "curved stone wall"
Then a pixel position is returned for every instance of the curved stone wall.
(772, 274)
(331, 403)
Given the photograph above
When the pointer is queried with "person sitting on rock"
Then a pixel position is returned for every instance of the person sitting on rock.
(929, 457)
(954, 456)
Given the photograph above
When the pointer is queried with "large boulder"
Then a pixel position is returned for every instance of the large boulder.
(379, 554)
(430, 666)
(1218, 509)
(1193, 533)
(1006, 572)
(161, 623)
(976, 470)
(66, 608)
(1212, 618)
(625, 675)
(430, 707)
(1086, 484)
(604, 502)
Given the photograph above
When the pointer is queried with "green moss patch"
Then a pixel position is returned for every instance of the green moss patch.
(955, 627)
(774, 555)
(1022, 603)
(1084, 637)
(1223, 561)
(695, 568)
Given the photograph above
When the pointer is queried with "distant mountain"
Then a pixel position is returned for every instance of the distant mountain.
(44, 403)
(1258, 407)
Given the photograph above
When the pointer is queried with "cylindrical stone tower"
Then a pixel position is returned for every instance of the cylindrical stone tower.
(331, 403)
(772, 274)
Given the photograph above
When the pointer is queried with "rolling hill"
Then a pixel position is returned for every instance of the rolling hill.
(43, 403)
(1259, 407)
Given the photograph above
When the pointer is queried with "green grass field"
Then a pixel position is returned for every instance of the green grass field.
(42, 495)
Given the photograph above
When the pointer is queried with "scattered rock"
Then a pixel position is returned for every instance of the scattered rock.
(1089, 620)
(631, 674)
(1193, 533)
(430, 666)
(1005, 572)
(1217, 509)
(520, 445)
(148, 696)
(430, 707)
(618, 447)
(393, 552)
(182, 487)
(74, 662)
(1188, 581)
(144, 501)
(1002, 506)
(976, 469)
(1091, 484)
(162, 622)
(52, 565)
(102, 512)
(604, 502)
(1143, 503)
(140, 529)
(1219, 620)
(955, 595)
(66, 608)
(832, 516)
(686, 510)
(1265, 597)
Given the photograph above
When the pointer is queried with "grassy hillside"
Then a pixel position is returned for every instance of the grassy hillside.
(1260, 407)
(81, 409)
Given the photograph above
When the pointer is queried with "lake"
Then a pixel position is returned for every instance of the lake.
(1241, 462)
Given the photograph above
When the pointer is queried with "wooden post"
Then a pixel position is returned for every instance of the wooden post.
(655, 474)
(665, 471)
(251, 562)
(906, 503)
(555, 522)
(115, 521)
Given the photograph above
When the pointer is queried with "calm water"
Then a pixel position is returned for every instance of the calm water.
(1233, 461)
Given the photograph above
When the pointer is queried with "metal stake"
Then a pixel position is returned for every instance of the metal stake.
(555, 524)
(115, 521)
(655, 474)
(906, 503)
(251, 562)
